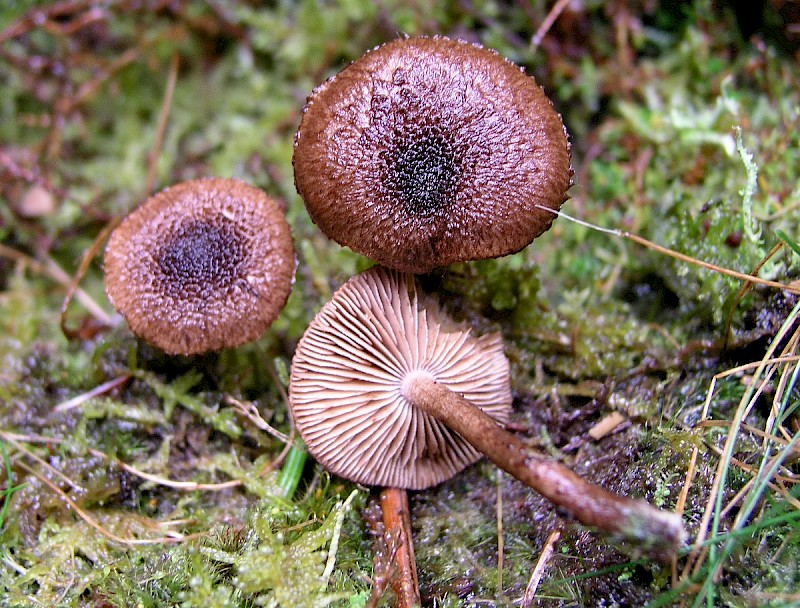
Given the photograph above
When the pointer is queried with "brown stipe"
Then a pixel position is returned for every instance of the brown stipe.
(659, 532)
(397, 524)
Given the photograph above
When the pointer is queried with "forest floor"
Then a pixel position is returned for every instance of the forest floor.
(132, 478)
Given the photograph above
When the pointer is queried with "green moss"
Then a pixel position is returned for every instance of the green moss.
(592, 323)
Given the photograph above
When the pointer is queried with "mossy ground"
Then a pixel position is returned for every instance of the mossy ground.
(684, 132)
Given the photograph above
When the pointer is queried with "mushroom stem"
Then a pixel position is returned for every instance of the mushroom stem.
(397, 523)
(660, 533)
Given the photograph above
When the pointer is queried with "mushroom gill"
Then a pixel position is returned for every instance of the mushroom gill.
(351, 367)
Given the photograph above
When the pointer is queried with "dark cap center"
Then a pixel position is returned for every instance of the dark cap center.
(424, 174)
(199, 257)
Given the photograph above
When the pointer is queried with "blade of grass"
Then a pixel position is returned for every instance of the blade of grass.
(292, 469)
(785, 238)
(9, 490)
(765, 371)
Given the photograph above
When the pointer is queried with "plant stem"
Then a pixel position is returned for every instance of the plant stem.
(660, 533)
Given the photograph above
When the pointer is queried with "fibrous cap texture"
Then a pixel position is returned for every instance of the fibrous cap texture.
(427, 151)
(203, 265)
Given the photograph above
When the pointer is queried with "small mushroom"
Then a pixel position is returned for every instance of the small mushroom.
(203, 265)
(352, 369)
(427, 151)
(385, 389)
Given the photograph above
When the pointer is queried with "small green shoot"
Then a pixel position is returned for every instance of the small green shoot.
(791, 243)
(292, 469)
(8, 491)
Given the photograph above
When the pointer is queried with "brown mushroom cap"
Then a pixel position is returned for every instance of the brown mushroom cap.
(428, 151)
(347, 383)
(203, 265)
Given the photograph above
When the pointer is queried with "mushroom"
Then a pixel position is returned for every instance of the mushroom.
(203, 265)
(354, 366)
(427, 151)
(385, 389)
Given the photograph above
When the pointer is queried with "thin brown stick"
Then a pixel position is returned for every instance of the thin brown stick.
(31, 176)
(68, 101)
(538, 570)
(726, 271)
(100, 389)
(54, 272)
(67, 104)
(747, 287)
(163, 116)
(39, 14)
(660, 533)
(769, 437)
(249, 411)
(500, 539)
(275, 463)
(548, 22)
(93, 249)
(186, 486)
(40, 461)
(397, 524)
(680, 504)
(72, 286)
(177, 538)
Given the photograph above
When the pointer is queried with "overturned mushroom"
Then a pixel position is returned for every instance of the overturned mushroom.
(386, 390)
(203, 265)
(352, 369)
(428, 151)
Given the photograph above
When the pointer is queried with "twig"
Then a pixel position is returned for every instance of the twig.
(93, 523)
(538, 570)
(41, 14)
(249, 411)
(751, 429)
(93, 249)
(548, 22)
(65, 104)
(185, 486)
(292, 456)
(163, 116)
(748, 287)
(290, 443)
(31, 176)
(72, 284)
(100, 389)
(54, 272)
(500, 540)
(23, 450)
